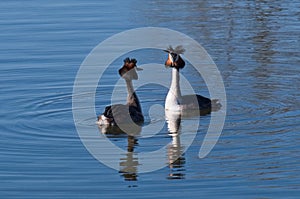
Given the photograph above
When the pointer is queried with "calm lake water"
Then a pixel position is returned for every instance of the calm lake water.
(255, 45)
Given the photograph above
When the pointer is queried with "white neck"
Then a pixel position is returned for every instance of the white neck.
(130, 88)
(132, 98)
(173, 99)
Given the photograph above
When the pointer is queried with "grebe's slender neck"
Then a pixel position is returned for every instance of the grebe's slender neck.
(173, 99)
(132, 99)
(130, 89)
(175, 87)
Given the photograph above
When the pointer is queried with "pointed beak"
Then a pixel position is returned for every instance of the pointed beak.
(138, 68)
(171, 58)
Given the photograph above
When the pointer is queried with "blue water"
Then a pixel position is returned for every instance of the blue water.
(255, 45)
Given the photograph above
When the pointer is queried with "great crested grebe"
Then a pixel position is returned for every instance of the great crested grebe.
(131, 111)
(174, 100)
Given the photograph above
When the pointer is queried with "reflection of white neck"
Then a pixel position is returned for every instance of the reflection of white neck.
(175, 148)
(175, 140)
(173, 99)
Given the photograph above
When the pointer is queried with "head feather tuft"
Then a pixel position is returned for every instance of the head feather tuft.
(126, 60)
(133, 60)
(178, 49)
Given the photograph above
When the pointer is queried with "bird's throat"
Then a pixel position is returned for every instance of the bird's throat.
(174, 98)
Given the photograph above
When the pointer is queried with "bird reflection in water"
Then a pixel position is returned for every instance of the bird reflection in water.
(129, 163)
(176, 159)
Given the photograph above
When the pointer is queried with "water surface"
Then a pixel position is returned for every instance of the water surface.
(255, 45)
